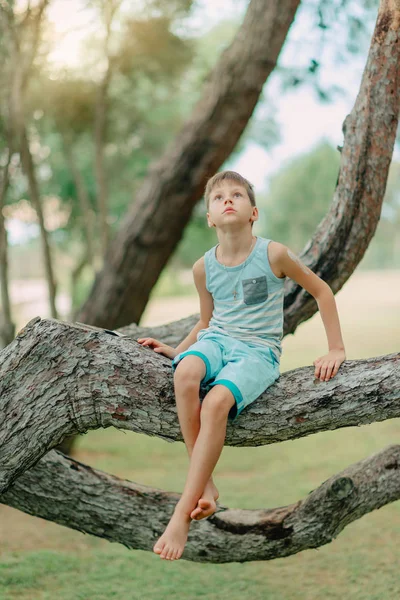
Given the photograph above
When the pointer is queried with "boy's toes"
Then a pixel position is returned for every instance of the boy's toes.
(195, 512)
(170, 554)
(164, 552)
(158, 547)
(204, 509)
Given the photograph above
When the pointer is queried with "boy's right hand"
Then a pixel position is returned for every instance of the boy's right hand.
(159, 347)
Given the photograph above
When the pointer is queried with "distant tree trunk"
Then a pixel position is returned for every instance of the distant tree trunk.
(29, 170)
(23, 55)
(101, 180)
(7, 327)
(84, 203)
(75, 275)
(164, 204)
(100, 126)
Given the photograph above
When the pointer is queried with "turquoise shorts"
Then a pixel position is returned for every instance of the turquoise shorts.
(245, 370)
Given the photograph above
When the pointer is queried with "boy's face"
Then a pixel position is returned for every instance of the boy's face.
(229, 207)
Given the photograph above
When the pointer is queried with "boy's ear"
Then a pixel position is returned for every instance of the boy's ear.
(210, 223)
(255, 215)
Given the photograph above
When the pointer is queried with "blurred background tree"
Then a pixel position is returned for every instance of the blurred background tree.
(96, 125)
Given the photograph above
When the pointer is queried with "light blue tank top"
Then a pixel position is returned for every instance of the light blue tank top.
(256, 315)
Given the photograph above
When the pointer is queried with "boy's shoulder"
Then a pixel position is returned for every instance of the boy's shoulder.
(199, 264)
(275, 251)
(198, 267)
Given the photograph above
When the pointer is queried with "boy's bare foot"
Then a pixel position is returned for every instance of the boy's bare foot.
(172, 542)
(206, 505)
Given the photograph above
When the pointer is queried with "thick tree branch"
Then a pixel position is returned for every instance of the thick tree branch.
(87, 380)
(341, 238)
(70, 493)
(345, 233)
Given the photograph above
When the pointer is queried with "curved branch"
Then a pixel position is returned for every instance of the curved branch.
(344, 234)
(88, 379)
(70, 493)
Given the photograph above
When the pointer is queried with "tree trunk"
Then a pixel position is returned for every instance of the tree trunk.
(29, 169)
(154, 225)
(22, 61)
(7, 327)
(57, 379)
(100, 175)
(100, 126)
(87, 213)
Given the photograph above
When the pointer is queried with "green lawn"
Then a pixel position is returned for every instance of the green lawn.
(43, 561)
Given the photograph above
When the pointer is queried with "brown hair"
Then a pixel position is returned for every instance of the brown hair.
(232, 176)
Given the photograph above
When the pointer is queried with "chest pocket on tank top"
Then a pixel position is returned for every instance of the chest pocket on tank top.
(255, 289)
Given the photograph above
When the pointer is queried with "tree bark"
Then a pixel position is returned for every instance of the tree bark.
(70, 493)
(154, 225)
(86, 380)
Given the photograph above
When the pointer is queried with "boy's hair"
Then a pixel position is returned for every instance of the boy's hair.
(232, 176)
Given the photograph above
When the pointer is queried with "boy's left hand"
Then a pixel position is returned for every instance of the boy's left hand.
(327, 366)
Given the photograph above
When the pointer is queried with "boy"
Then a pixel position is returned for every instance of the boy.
(234, 350)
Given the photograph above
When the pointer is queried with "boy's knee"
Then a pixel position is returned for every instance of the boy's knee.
(190, 371)
(218, 401)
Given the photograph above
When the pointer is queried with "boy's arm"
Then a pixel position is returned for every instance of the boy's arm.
(206, 305)
(290, 265)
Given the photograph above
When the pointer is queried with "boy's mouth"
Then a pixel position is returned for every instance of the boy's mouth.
(229, 209)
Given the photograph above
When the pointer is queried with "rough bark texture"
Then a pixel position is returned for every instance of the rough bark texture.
(70, 493)
(87, 380)
(164, 204)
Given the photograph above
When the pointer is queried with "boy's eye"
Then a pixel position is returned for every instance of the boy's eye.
(237, 194)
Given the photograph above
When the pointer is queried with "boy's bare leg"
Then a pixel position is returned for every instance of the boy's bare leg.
(206, 452)
(187, 379)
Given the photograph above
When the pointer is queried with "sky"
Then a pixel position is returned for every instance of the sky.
(302, 119)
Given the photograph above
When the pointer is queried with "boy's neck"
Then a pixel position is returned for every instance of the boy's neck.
(234, 246)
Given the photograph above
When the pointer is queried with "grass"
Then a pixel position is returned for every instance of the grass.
(41, 561)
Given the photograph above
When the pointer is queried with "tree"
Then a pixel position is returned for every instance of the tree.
(175, 183)
(94, 380)
(23, 35)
